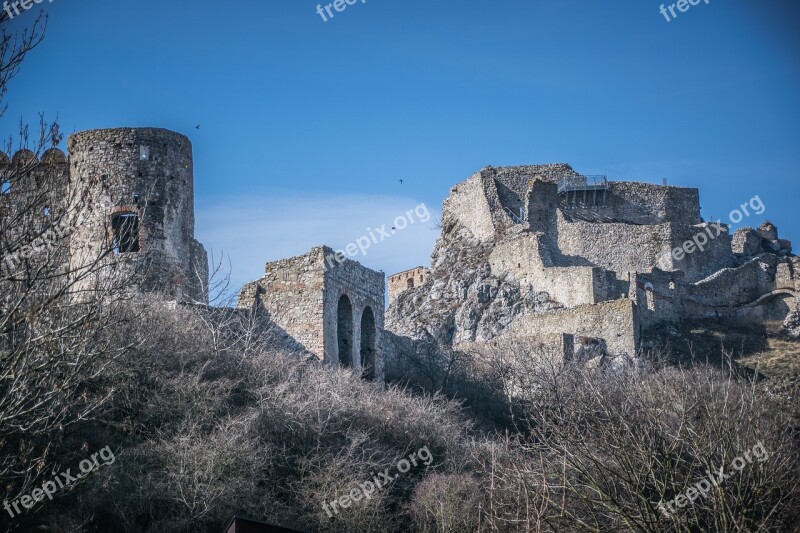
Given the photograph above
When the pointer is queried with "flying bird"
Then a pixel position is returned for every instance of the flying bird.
(401, 182)
(197, 127)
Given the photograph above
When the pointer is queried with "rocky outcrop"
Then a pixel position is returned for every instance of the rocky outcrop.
(791, 326)
(462, 300)
(518, 260)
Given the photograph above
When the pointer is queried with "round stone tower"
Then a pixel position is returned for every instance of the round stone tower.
(135, 189)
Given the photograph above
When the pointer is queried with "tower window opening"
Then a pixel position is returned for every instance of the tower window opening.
(410, 283)
(126, 232)
(144, 153)
(651, 301)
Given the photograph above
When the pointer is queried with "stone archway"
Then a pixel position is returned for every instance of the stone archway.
(368, 334)
(344, 331)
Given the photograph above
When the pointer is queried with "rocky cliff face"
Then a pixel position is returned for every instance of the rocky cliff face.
(792, 324)
(461, 300)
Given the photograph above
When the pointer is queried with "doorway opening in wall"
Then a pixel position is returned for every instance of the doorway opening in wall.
(368, 344)
(344, 331)
(125, 227)
(410, 283)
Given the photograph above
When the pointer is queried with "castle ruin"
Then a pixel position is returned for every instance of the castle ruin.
(537, 253)
(545, 254)
(332, 306)
(140, 188)
(128, 191)
(407, 279)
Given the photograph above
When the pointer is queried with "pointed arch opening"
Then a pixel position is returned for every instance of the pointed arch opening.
(368, 333)
(344, 331)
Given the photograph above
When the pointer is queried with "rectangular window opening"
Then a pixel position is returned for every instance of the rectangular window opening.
(126, 232)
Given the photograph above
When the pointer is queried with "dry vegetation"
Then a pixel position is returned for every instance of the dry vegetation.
(205, 425)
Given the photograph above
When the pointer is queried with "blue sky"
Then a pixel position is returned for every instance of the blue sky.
(307, 126)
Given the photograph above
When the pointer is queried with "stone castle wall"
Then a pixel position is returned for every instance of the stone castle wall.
(468, 205)
(614, 246)
(402, 281)
(616, 323)
(365, 290)
(607, 264)
(644, 203)
(302, 295)
(146, 172)
(32, 218)
(292, 294)
(526, 259)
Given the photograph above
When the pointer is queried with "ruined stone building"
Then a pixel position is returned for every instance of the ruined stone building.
(129, 194)
(140, 185)
(539, 253)
(332, 306)
(127, 197)
(546, 254)
(407, 279)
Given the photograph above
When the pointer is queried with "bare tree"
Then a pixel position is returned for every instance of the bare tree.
(58, 318)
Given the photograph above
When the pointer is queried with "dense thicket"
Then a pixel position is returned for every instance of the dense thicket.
(209, 420)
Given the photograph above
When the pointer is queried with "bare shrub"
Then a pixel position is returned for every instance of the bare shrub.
(616, 445)
(446, 503)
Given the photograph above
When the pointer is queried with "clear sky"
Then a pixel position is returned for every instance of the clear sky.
(306, 126)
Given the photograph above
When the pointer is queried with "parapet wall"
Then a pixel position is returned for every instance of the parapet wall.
(402, 281)
(645, 203)
(291, 292)
(614, 322)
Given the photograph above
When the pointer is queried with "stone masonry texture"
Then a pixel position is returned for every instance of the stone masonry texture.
(331, 305)
(523, 256)
(145, 173)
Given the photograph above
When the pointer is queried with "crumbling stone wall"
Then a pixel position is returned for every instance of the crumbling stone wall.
(147, 173)
(405, 280)
(365, 290)
(526, 259)
(31, 213)
(291, 292)
(615, 323)
(302, 296)
(469, 204)
(760, 289)
(562, 268)
(644, 203)
(614, 246)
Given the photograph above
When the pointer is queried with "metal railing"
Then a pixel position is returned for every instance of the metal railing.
(582, 183)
